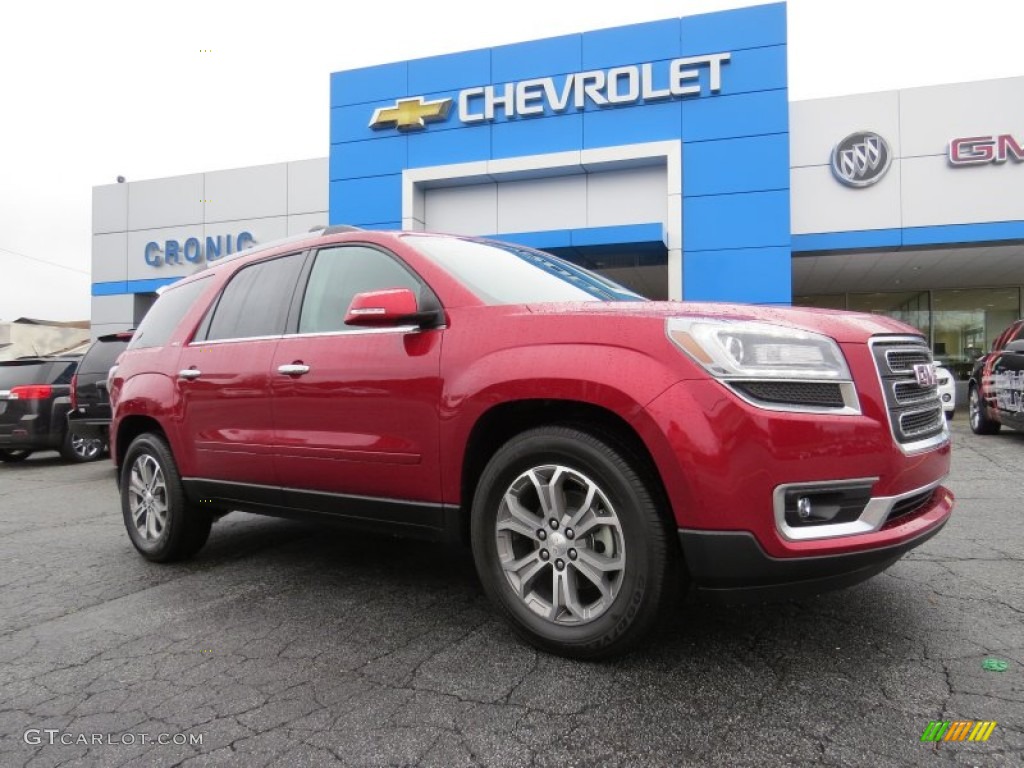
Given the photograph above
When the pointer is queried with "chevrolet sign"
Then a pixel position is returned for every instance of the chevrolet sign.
(612, 87)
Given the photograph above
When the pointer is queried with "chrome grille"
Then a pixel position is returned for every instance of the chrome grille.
(903, 360)
(915, 412)
(907, 392)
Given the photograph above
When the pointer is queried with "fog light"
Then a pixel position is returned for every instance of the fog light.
(946, 397)
(803, 508)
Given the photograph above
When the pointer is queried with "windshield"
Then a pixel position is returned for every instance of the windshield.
(502, 273)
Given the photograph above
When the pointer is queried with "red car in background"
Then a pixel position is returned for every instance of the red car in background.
(598, 451)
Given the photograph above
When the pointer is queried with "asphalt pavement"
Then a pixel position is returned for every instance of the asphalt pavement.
(287, 644)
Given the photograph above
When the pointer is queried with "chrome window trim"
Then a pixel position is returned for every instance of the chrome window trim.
(875, 513)
(352, 332)
(848, 390)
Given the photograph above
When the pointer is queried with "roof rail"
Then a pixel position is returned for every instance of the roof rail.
(334, 229)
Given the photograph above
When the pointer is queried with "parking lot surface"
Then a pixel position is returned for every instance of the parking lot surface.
(287, 644)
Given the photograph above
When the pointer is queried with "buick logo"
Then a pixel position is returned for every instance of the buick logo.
(860, 159)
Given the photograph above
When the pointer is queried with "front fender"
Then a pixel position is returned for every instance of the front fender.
(618, 379)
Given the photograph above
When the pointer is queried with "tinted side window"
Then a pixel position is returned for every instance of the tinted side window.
(101, 356)
(159, 323)
(255, 301)
(338, 275)
(62, 372)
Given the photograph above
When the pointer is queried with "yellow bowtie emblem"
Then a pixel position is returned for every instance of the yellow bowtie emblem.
(410, 114)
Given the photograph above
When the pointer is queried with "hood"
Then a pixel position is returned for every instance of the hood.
(837, 324)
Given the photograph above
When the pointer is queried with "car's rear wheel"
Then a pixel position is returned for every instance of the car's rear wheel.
(161, 522)
(81, 449)
(12, 457)
(981, 424)
(569, 544)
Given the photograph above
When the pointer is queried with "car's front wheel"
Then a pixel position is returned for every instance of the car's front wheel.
(12, 457)
(161, 522)
(569, 544)
(981, 424)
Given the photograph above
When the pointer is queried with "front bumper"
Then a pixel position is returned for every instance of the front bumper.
(731, 566)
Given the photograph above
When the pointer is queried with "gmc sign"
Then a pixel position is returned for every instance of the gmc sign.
(975, 150)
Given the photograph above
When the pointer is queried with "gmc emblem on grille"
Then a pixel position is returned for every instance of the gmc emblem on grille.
(925, 373)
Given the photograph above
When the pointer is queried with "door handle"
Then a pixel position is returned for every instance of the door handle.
(189, 374)
(295, 369)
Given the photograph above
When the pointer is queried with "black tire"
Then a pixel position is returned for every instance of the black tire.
(13, 457)
(977, 413)
(80, 450)
(636, 594)
(185, 527)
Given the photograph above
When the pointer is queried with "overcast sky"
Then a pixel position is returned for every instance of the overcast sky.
(93, 90)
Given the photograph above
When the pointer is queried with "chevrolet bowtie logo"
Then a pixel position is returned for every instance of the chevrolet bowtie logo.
(410, 114)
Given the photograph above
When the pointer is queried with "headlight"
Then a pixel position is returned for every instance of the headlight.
(750, 350)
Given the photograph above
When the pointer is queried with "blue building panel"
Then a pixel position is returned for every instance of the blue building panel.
(747, 164)
(750, 71)
(650, 41)
(749, 114)
(450, 71)
(537, 135)
(735, 161)
(447, 147)
(754, 275)
(755, 27)
(365, 202)
(358, 86)
(743, 220)
(538, 58)
(375, 157)
(631, 125)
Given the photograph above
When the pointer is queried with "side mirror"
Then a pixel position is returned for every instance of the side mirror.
(1016, 346)
(396, 306)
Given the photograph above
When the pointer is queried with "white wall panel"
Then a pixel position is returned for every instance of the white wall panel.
(816, 126)
(930, 117)
(633, 196)
(303, 222)
(110, 208)
(263, 230)
(246, 193)
(115, 310)
(535, 205)
(822, 204)
(169, 202)
(469, 210)
(110, 257)
(936, 193)
(308, 185)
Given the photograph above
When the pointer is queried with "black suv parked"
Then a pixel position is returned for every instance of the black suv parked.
(35, 396)
(995, 394)
(89, 417)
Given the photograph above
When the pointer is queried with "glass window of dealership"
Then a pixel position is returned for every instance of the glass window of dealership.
(666, 155)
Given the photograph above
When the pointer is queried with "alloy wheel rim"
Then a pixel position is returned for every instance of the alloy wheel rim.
(85, 447)
(974, 406)
(560, 545)
(147, 498)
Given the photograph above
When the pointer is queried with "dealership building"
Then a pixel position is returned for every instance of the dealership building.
(666, 155)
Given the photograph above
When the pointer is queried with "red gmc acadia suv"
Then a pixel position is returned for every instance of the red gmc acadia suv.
(595, 449)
